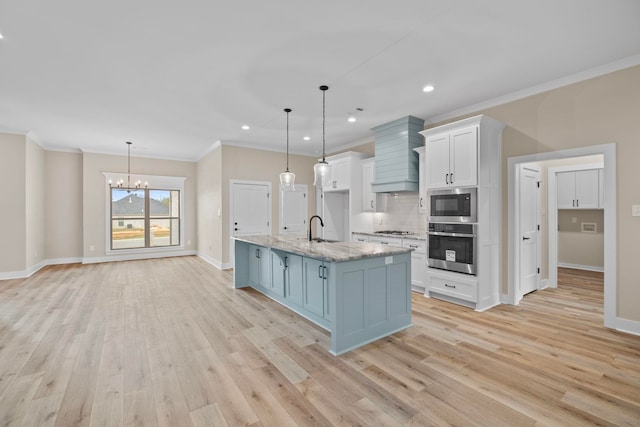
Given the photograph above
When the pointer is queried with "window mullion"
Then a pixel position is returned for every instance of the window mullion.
(147, 222)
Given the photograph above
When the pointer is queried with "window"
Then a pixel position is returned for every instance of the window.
(144, 218)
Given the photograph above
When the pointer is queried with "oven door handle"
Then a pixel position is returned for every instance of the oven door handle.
(439, 233)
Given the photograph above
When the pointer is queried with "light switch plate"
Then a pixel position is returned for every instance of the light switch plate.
(635, 210)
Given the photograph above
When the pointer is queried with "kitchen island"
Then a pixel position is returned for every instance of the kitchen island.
(359, 292)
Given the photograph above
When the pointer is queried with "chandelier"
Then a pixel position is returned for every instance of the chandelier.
(120, 184)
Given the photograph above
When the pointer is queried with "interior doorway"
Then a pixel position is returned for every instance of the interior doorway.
(608, 151)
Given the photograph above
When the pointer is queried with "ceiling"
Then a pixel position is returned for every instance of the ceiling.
(177, 77)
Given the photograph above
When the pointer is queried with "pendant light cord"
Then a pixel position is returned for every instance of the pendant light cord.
(324, 89)
(288, 110)
(128, 165)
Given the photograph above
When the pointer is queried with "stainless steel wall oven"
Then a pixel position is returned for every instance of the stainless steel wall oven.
(452, 247)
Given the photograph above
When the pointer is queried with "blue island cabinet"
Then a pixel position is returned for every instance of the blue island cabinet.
(357, 298)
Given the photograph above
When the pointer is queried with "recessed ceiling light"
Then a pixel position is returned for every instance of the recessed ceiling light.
(245, 127)
(351, 119)
(307, 138)
(1, 37)
(428, 88)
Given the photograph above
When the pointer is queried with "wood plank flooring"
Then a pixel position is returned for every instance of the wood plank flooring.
(168, 342)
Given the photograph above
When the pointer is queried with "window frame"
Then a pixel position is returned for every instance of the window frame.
(156, 182)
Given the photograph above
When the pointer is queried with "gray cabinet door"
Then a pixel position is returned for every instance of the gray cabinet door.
(293, 279)
(277, 272)
(314, 284)
(259, 266)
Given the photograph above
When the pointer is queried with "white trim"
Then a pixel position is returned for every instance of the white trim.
(628, 326)
(581, 267)
(137, 256)
(611, 67)
(210, 260)
(552, 210)
(156, 182)
(23, 274)
(610, 225)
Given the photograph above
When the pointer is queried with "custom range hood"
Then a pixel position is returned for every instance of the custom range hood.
(396, 162)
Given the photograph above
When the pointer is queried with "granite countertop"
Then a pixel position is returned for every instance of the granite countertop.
(326, 251)
(416, 236)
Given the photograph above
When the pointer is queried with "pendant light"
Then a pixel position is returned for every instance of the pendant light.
(120, 184)
(322, 169)
(287, 178)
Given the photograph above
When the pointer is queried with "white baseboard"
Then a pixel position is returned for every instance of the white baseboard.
(581, 267)
(544, 283)
(627, 326)
(210, 260)
(137, 256)
(23, 274)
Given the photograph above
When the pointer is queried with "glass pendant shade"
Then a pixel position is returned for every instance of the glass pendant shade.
(287, 181)
(287, 178)
(322, 169)
(322, 174)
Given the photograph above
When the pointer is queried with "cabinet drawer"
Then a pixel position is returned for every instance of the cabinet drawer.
(418, 246)
(465, 291)
(390, 241)
(359, 237)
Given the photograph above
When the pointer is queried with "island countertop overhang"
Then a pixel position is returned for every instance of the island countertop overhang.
(325, 251)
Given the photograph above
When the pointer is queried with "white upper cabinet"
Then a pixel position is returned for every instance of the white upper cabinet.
(578, 189)
(368, 196)
(340, 175)
(452, 158)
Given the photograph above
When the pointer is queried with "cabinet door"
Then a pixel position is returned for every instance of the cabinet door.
(340, 175)
(587, 189)
(277, 272)
(368, 196)
(259, 266)
(437, 155)
(418, 272)
(313, 283)
(463, 163)
(422, 188)
(566, 191)
(293, 278)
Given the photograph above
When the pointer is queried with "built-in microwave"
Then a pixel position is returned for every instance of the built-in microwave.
(453, 205)
(452, 247)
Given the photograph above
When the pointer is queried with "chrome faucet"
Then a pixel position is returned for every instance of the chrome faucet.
(310, 219)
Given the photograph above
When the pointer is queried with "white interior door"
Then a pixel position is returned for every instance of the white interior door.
(294, 210)
(529, 229)
(250, 208)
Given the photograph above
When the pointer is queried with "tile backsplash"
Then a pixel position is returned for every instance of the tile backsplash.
(401, 213)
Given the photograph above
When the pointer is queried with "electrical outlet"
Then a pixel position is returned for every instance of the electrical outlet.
(574, 219)
(91, 248)
(635, 210)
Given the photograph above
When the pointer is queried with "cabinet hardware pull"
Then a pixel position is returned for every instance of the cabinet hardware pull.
(372, 203)
(384, 243)
(324, 272)
(320, 272)
(449, 286)
(526, 238)
(413, 246)
(421, 202)
(446, 178)
(285, 262)
(577, 203)
(257, 253)
(451, 178)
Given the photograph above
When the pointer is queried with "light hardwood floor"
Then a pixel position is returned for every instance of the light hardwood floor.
(169, 342)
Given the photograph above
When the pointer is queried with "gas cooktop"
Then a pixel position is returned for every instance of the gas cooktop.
(398, 232)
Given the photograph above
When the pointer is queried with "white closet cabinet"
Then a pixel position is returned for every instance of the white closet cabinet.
(578, 189)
